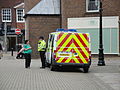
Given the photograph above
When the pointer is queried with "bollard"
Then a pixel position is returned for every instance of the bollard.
(11, 51)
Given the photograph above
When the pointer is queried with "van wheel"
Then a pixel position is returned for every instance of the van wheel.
(47, 65)
(86, 69)
(90, 62)
(52, 67)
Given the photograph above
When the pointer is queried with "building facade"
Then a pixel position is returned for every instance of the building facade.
(11, 18)
(82, 15)
(40, 22)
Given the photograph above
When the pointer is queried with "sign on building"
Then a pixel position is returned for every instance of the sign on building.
(18, 31)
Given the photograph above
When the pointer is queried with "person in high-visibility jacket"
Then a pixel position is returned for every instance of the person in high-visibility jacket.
(42, 49)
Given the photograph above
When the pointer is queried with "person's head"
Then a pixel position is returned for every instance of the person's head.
(41, 38)
(26, 41)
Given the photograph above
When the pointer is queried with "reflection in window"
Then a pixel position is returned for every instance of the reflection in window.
(6, 15)
(93, 5)
(20, 14)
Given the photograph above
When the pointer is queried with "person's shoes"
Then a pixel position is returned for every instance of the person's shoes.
(17, 57)
(42, 67)
(28, 67)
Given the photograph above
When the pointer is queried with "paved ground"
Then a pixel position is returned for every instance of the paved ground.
(13, 76)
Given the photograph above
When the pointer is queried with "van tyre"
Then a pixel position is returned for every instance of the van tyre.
(47, 65)
(90, 62)
(85, 69)
(52, 67)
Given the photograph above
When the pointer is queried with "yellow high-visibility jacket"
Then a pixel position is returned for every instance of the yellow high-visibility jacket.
(41, 45)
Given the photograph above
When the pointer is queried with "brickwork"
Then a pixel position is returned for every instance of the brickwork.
(29, 4)
(13, 5)
(21, 25)
(13, 76)
(10, 4)
(78, 9)
(38, 25)
(41, 25)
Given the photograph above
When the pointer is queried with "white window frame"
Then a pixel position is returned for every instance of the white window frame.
(87, 2)
(7, 15)
(17, 15)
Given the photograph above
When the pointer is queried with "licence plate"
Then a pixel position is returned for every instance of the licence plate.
(64, 54)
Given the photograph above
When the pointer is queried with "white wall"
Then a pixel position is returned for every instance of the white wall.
(91, 25)
(93, 22)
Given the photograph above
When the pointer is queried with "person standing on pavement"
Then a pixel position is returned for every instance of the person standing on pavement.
(27, 53)
(42, 49)
(1, 51)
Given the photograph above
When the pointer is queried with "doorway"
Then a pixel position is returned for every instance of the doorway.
(11, 43)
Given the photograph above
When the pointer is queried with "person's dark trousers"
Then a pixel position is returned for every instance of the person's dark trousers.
(42, 56)
(27, 60)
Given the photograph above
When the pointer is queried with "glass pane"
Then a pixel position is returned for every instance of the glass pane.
(93, 5)
(110, 40)
(106, 40)
(114, 41)
(93, 37)
(20, 15)
(6, 13)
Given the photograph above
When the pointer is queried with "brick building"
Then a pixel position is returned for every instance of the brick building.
(11, 16)
(82, 15)
(40, 22)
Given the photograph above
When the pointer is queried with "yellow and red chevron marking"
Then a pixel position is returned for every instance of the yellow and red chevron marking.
(75, 43)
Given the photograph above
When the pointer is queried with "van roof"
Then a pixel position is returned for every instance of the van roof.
(67, 32)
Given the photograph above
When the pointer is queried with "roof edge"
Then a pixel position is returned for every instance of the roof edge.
(25, 16)
(19, 5)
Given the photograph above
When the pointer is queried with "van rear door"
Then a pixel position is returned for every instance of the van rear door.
(80, 48)
(72, 48)
(64, 48)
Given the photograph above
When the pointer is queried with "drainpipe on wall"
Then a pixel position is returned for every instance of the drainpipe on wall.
(5, 37)
(26, 30)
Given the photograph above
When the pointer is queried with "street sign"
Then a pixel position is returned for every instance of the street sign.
(18, 31)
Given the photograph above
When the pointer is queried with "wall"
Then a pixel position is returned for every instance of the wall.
(29, 4)
(91, 25)
(40, 26)
(77, 8)
(10, 4)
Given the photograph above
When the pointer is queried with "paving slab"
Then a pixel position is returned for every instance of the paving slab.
(13, 76)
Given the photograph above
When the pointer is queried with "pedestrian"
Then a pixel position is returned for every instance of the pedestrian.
(42, 49)
(27, 53)
(1, 51)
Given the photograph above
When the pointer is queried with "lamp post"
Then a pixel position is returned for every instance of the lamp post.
(101, 61)
(5, 37)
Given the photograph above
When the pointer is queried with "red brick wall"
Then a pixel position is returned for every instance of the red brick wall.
(29, 4)
(77, 8)
(10, 4)
(21, 25)
(40, 26)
